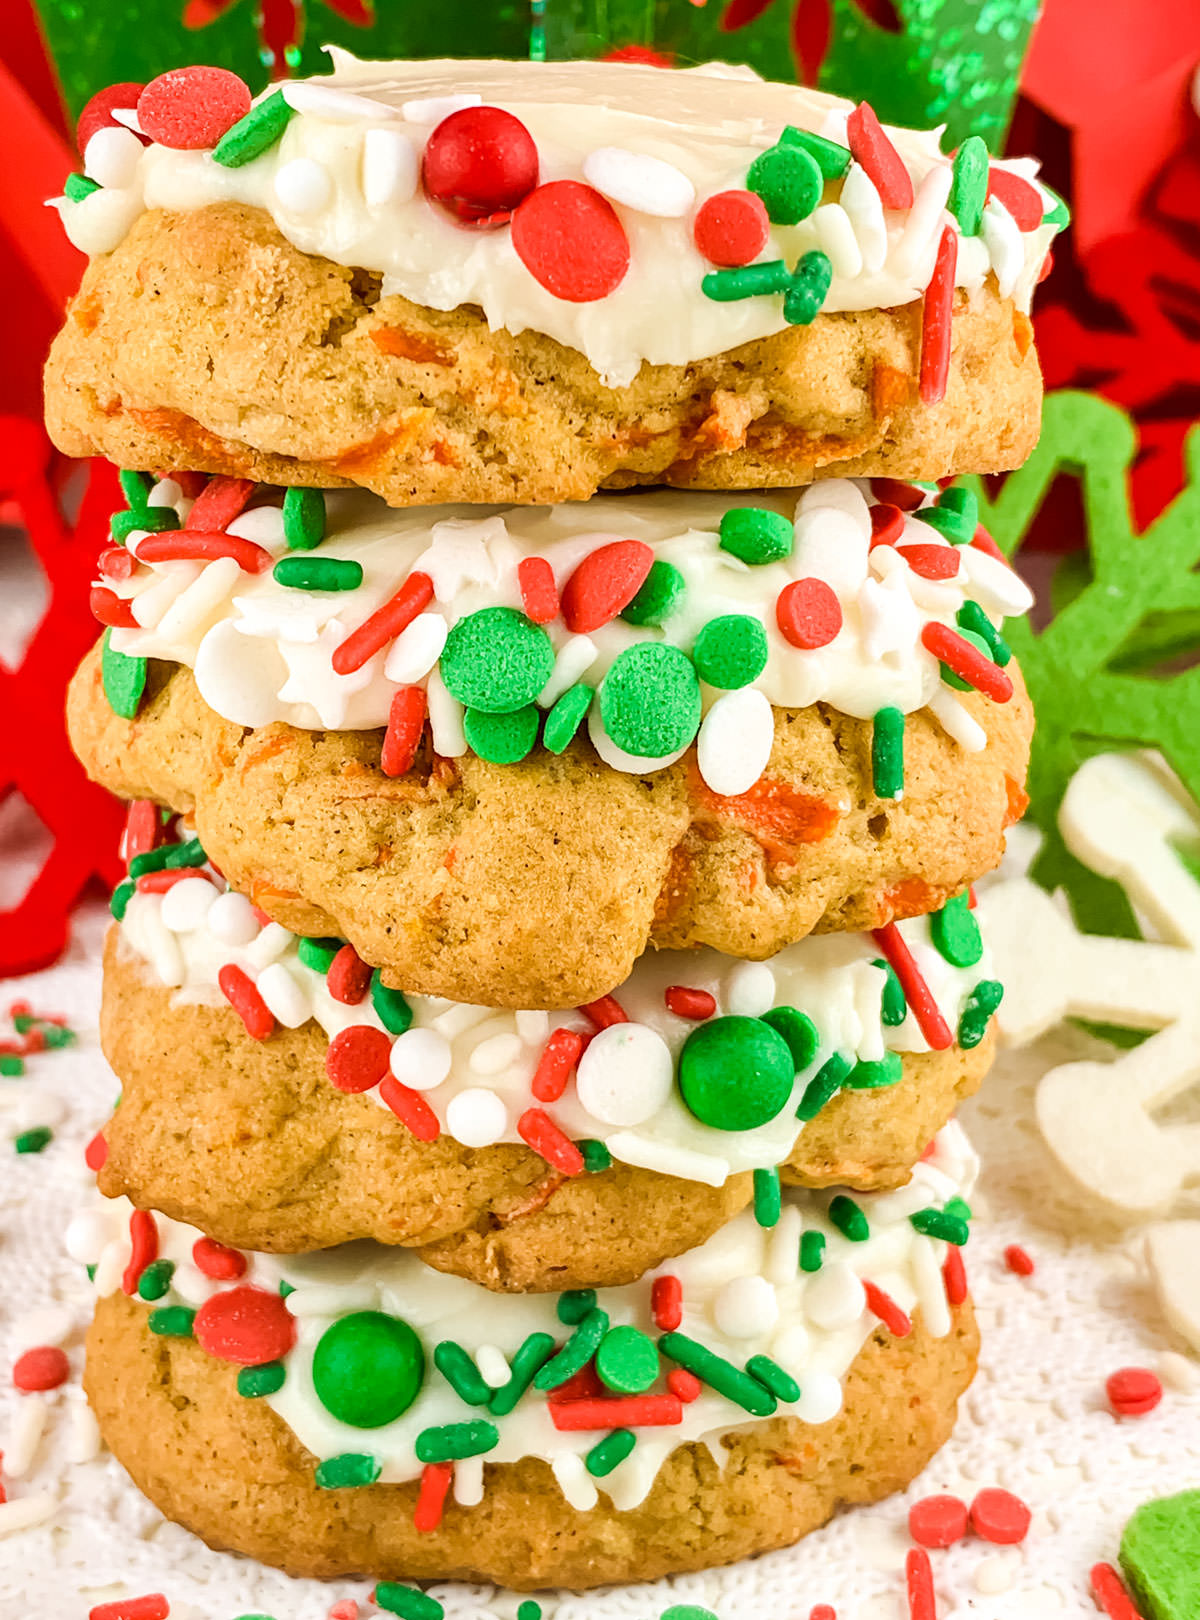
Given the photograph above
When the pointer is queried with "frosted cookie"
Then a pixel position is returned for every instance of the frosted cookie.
(357, 1413)
(515, 281)
(277, 1094)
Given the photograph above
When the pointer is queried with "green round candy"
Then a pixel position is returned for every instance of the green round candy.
(661, 593)
(368, 1368)
(566, 717)
(798, 1030)
(956, 933)
(730, 651)
(736, 1073)
(757, 535)
(627, 1361)
(650, 700)
(502, 738)
(496, 660)
(956, 681)
(687, 1611)
(789, 181)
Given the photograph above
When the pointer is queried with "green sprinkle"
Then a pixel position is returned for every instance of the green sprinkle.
(798, 1030)
(255, 1617)
(135, 486)
(77, 186)
(574, 1305)
(718, 1374)
(254, 134)
(148, 519)
(318, 573)
(661, 592)
(756, 535)
(34, 1141)
(12, 1067)
(955, 932)
(730, 651)
(155, 1281)
(893, 1003)
(849, 1219)
(318, 954)
(596, 1156)
(870, 1074)
(91, 1273)
(350, 1468)
(972, 617)
(772, 1376)
(958, 1206)
(172, 1322)
(747, 281)
(955, 680)
(831, 158)
(461, 1373)
(887, 753)
(824, 1086)
(391, 1006)
(607, 1453)
(976, 1015)
(955, 514)
(812, 1251)
(537, 1348)
(576, 1353)
(57, 1035)
(168, 858)
(1060, 214)
(650, 700)
(407, 1602)
(627, 1361)
(767, 1197)
(265, 1379)
(940, 1223)
(809, 286)
(286, 1288)
(496, 660)
(735, 1073)
(449, 1442)
(529, 1610)
(123, 678)
(566, 717)
(502, 739)
(968, 187)
(789, 180)
(304, 518)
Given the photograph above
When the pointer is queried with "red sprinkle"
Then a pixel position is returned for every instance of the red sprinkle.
(629, 1412)
(930, 561)
(143, 1248)
(937, 1521)
(1133, 1391)
(1021, 199)
(405, 727)
(160, 882)
(538, 1131)
(436, 1479)
(918, 1575)
(347, 1609)
(192, 107)
(1110, 1593)
(349, 977)
(897, 1322)
(605, 1011)
(357, 1058)
(731, 228)
(43, 1367)
(197, 545)
(685, 1002)
(245, 1325)
(111, 609)
(116, 563)
(559, 1056)
(571, 241)
(191, 483)
(918, 994)
(479, 163)
(95, 1155)
(218, 503)
(1019, 1260)
(666, 1301)
(982, 541)
(823, 1611)
(384, 625)
(141, 830)
(584, 1385)
(153, 1606)
(887, 524)
(967, 662)
(884, 165)
(539, 593)
(606, 581)
(684, 1384)
(218, 1262)
(895, 492)
(954, 1277)
(936, 316)
(410, 1108)
(808, 613)
(98, 112)
(242, 995)
(1047, 266)
(999, 1516)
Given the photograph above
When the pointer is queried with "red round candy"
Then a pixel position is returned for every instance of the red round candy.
(808, 613)
(218, 1262)
(479, 163)
(570, 240)
(606, 581)
(937, 1521)
(43, 1367)
(98, 114)
(190, 108)
(357, 1058)
(1000, 1517)
(731, 228)
(245, 1325)
(1133, 1391)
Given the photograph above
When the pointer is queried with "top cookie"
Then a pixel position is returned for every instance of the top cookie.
(522, 281)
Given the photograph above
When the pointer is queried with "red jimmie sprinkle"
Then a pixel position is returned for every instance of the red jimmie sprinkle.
(666, 1301)
(218, 1262)
(931, 562)
(918, 994)
(1000, 1517)
(43, 1367)
(808, 613)
(605, 1011)
(192, 107)
(887, 524)
(606, 581)
(153, 1606)
(918, 1579)
(110, 609)
(1133, 1391)
(538, 1131)
(570, 240)
(897, 1322)
(95, 1155)
(357, 1058)
(559, 1056)
(410, 1108)
(1021, 199)
(937, 1521)
(982, 541)
(884, 165)
(629, 1412)
(584, 1385)
(406, 723)
(967, 662)
(436, 1479)
(954, 1277)
(242, 995)
(936, 317)
(349, 977)
(160, 882)
(142, 826)
(218, 503)
(894, 492)
(116, 563)
(685, 1002)
(539, 593)
(347, 1609)
(1018, 1260)
(98, 113)
(731, 228)
(143, 1248)
(684, 1384)
(245, 1325)
(190, 545)
(191, 483)
(1110, 1593)
(384, 625)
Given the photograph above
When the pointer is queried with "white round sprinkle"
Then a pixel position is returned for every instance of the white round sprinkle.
(495, 1054)
(389, 168)
(993, 1576)
(86, 1237)
(186, 904)
(338, 106)
(834, 1297)
(625, 1075)
(639, 181)
(493, 1366)
(231, 919)
(112, 157)
(284, 997)
(746, 1308)
(432, 109)
(476, 1117)
(416, 649)
(749, 989)
(303, 186)
(421, 1058)
(820, 1398)
(735, 742)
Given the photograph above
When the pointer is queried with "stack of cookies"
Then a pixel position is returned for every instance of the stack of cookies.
(547, 971)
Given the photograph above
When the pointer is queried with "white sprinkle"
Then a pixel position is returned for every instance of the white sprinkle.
(495, 1053)
(416, 649)
(1178, 1371)
(112, 157)
(24, 1511)
(324, 101)
(285, 999)
(445, 719)
(468, 1481)
(865, 210)
(99, 222)
(626, 1074)
(956, 722)
(923, 227)
(993, 1576)
(270, 944)
(156, 943)
(735, 742)
(432, 109)
(575, 657)
(421, 1058)
(997, 587)
(746, 1308)
(194, 604)
(493, 1366)
(639, 181)
(170, 580)
(83, 1433)
(50, 1324)
(37, 1108)
(574, 1481)
(834, 1297)
(820, 1398)
(389, 168)
(263, 525)
(832, 546)
(476, 1118)
(649, 1153)
(86, 1237)
(186, 904)
(332, 1299)
(167, 492)
(839, 495)
(1002, 238)
(783, 1244)
(110, 1267)
(835, 236)
(533, 1027)
(25, 1436)
(750, 989)
(231, 919)
(931, 1289)
(458, 1018)
(303, 186)
(128, 116)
